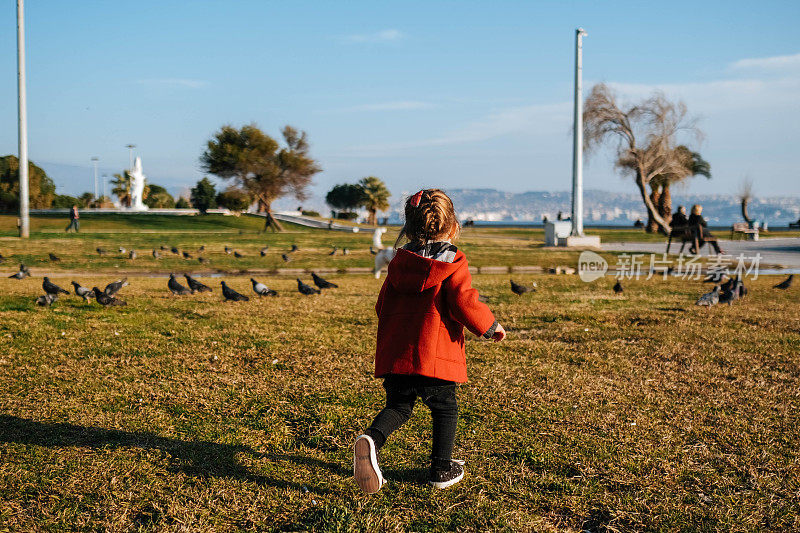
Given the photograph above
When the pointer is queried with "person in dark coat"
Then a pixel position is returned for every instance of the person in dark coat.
(679, 218)
(699, 224)
(73, 219)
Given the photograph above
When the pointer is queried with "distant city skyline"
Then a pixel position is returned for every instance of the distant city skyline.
(465, 94)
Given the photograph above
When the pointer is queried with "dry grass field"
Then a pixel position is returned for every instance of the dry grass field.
(599, 412)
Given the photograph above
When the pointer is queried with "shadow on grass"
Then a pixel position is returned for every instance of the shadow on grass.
(200, 459)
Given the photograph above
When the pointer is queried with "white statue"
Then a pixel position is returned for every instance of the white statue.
(376, 238)
(137, 186)
(383, 255)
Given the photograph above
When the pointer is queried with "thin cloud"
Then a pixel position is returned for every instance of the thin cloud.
(403, 105)
(173, 82)
(383, 36)
(767, 63)
(497, 124)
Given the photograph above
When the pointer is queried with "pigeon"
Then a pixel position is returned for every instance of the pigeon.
(294, 248)
(54, 257)
(306, 289)
(82, 291)
(785, 284)
(345, 251)
(728, 297)
(101, 251)
(286, 258)
(618, 288)
(195, 285)
(261, 289)
(22, 273)
(202, 248)
(729, 283)
(228, 250)
(323, 283)
(114, 287)
(187, 255)
(709, 298)
(232, 295)
(51, 288)
(518, 289)
(264, 251)
(164, 248)
(132, 254)
(175, 287)
(175, 250)
(373, 251)
(333, 252)
(122, 250)
(46, 299)
(156, 255)
(106, 299)
(238, 255)
(202, 260)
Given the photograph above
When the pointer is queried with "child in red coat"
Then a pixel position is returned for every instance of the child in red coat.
(424, 305)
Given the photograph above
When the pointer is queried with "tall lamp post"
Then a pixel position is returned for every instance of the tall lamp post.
(24, 214)
(577, 140)
(130, 148)
(96, 191)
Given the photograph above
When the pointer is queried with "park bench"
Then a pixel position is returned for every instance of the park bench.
(688, 234)
(743, 228)
(685, 234)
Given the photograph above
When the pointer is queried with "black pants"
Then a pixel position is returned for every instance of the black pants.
(401, 394)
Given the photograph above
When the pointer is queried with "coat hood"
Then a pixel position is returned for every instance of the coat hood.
(412, 273)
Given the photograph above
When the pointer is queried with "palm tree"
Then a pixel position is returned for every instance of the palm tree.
(376, 197)
(122, 187)
(123, 183)
(691, 164)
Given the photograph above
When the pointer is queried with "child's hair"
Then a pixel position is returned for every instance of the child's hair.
(429, 215)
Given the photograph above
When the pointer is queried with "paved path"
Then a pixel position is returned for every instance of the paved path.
(783, 251)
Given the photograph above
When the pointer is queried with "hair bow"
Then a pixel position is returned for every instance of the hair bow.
(416, 199)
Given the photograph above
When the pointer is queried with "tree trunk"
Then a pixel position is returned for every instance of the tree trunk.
(655, 197)
(745, 214)
(270, 222)
(665, 205)
(652, 213)
(373, 217)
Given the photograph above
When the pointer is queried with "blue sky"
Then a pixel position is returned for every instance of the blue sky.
(454, 94)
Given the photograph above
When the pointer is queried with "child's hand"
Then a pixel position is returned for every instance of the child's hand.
(499, 334)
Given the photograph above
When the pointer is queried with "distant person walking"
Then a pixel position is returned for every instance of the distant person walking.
(73, 220)
(699, 224)
(423, 307)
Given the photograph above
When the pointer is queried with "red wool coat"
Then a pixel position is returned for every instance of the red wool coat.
(422, 309)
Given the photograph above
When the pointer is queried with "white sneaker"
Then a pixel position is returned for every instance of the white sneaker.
(365, 465)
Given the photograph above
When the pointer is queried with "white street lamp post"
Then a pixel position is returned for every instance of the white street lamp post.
(577, 140)
(130, 148)
(24, 215)
(96, 191)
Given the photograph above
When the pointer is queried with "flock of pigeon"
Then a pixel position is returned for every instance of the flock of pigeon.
(731, 290)
(106, 297)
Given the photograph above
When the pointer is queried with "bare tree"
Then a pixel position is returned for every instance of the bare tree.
(644, 138)
(745, 195)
